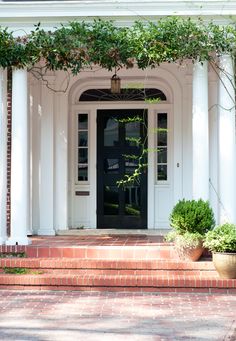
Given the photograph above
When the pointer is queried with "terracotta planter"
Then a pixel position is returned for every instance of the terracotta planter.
(225, 264)
(189, 254)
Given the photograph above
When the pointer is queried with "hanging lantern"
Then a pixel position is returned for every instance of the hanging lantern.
(115, 84)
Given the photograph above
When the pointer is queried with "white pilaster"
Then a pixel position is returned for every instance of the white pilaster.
(3, 155)
(19, 161)
(227, 148)
(200, 132)
(47, 161)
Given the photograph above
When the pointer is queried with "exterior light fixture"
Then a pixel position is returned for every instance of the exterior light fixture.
(115, 84)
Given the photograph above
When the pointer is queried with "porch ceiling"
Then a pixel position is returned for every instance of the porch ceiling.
(27, 13)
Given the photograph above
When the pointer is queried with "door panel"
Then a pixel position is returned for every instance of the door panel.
(119, 207)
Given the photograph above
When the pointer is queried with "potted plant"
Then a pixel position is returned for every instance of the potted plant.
(222, 243)
(190, 221)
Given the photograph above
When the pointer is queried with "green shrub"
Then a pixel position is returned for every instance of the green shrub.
(221, 239)
(193, 216)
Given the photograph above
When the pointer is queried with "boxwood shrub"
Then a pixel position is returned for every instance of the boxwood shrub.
(192, 216)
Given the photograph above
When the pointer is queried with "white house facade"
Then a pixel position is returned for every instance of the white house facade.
(68, 137)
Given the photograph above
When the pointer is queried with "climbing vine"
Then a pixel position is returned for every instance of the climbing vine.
(77, 45)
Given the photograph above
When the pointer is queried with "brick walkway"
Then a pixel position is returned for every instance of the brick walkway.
(62, 316)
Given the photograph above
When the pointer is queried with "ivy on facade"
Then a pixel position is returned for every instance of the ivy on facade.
(79, 45)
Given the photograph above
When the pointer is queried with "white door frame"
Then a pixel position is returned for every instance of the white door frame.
(91, 186)
(166, 82)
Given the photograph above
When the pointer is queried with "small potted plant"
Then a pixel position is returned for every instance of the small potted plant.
(190, 221)
(222, 243)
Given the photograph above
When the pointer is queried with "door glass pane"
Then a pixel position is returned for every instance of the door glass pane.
(111, 200)
(83, 155)
(111, 166)
(111, 132)
(83, 138)
(83, 121)
(131, 165)
(132, 134)
(132, 201)
(83, 173)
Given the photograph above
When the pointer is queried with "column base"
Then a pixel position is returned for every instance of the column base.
(46, 232)
(18, 241)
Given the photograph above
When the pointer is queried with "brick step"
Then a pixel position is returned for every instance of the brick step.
(117, 282)
(129, 264)
(158, 251)
(122, 272)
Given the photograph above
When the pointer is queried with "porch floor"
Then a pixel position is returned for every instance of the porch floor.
(104, 239)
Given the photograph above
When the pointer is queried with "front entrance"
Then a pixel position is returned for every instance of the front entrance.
(121, 135)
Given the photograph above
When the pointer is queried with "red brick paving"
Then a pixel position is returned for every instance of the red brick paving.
(93, 316)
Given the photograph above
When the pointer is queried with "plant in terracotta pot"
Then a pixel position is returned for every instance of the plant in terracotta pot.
(222, 243)
(190, 221)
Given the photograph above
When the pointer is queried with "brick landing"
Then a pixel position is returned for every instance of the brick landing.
(93, 316)
(109, 262)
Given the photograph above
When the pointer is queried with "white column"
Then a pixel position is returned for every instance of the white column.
(227, 149)
(200, 132)
(47, 161)
(3, 156)
(61, 164)
(19, 161)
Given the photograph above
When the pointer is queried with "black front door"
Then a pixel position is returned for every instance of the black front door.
(117, 155)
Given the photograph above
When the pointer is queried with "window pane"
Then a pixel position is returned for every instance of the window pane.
(83, 121)
(111, 166)
(111, 200)
(162, 155)
(83, 138)
(132, 201)
(162, 172)
(162, 121)
(162, 129)
(82, 173)
(111, 132)
(83, 155)
(162, 138)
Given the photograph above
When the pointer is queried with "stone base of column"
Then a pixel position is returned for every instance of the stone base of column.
(18, 241)
(46, 232)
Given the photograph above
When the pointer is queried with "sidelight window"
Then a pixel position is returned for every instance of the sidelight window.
(82, 148)
(162, 147)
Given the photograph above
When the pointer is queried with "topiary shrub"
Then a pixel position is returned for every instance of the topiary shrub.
(193, 216)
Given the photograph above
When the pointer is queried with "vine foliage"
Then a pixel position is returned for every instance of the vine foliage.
(79, 45)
